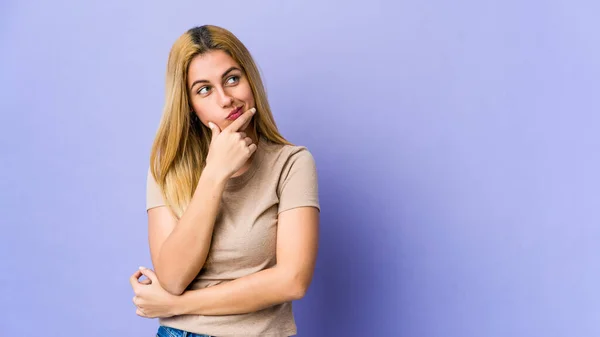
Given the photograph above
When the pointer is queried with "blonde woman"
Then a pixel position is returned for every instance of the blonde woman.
(233, 207)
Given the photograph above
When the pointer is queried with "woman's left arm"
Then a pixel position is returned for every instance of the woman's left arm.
(297, 245)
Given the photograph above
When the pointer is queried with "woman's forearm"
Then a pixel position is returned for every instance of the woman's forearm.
(247, 294)
(185, 250)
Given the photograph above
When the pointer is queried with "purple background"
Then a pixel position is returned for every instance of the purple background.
(456, 141)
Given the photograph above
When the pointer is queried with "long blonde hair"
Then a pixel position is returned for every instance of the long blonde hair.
(180, 147)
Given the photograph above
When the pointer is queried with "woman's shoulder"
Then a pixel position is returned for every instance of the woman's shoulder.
(282, 161)
(286, 152)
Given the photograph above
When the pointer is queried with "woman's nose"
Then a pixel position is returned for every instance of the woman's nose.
(225, 99)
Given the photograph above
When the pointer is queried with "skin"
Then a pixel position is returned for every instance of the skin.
(216, 87)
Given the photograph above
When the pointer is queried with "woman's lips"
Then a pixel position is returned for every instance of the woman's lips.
(235, 114)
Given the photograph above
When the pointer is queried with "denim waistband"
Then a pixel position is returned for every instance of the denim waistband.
(165, 331)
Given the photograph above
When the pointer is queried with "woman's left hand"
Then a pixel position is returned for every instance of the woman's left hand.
(150, 298)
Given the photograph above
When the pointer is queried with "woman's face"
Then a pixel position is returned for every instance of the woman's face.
(217, 87)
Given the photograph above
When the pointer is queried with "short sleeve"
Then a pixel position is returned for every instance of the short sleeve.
(154, 196)
(298, 185)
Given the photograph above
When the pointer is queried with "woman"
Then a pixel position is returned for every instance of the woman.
(233, 208)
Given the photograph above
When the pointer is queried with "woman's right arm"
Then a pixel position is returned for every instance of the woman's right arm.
(179, 248)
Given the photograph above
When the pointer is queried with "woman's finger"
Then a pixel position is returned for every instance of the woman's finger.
(134, 279)
(149, 274)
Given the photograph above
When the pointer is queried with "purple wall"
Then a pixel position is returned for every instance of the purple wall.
(457, 145)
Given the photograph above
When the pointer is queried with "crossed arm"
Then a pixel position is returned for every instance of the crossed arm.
(297, 245)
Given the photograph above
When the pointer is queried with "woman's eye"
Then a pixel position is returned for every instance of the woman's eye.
(232, 79)
(203, 91)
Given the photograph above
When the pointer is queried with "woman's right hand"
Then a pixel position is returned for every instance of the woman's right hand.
(229, 149)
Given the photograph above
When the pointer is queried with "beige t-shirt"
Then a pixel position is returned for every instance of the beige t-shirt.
(281, 177)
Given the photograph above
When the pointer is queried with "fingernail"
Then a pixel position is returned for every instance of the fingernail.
(210, 125)
(253, 110)
(142, 268)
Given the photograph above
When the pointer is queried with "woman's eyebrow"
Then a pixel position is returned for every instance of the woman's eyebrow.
(222, 76)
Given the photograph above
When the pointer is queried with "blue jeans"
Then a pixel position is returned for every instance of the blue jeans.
(165, 331)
